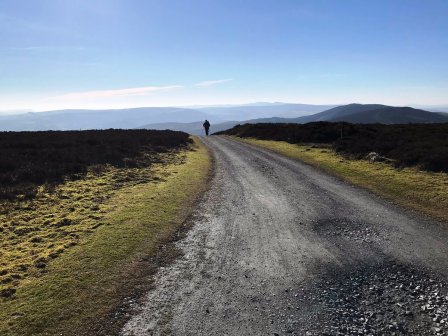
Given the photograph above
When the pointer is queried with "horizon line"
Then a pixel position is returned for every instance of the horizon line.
(198, 106)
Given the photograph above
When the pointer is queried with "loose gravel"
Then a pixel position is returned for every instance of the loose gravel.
(280, 248)
(384, 299)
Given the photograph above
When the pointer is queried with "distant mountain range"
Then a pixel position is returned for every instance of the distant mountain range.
(353, 113)
(190, 119)
(136, 117)
(375, 113)
(98, 119)
(258, 110)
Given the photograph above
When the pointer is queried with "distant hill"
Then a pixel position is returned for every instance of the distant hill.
(158, 117)
(374, 113)
(263, 110)
(221, 117)
(353, 113)
(98, 119)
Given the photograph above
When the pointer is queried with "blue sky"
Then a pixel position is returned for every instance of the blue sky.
(119, 53)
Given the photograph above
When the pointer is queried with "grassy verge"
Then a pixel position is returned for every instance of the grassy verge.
(106, 261)
(419, 190)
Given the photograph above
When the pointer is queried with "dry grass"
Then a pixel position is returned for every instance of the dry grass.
(68, 257)
(37, 231)
(419, 190)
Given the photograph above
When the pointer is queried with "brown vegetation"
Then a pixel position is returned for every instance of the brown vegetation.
(30, 159)
(413, 145)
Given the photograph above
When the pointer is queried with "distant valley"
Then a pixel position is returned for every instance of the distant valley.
(190, 119)
(140, 117)
(353, 113)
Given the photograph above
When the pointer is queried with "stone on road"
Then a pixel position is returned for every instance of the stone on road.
(281, 248)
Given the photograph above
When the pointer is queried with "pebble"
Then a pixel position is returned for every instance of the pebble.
(378, 300)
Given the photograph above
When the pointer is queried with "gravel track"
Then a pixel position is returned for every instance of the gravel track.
(281, 248)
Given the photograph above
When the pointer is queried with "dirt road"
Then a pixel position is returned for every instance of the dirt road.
(280, 248)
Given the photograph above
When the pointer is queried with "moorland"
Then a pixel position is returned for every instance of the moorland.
(78, 211)
(404, 145)
(32, 159)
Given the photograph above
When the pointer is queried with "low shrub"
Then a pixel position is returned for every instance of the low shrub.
(420, 145)
(29, 159)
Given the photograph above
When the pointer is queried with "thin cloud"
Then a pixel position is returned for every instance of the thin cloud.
(213, 82)
(139, 91)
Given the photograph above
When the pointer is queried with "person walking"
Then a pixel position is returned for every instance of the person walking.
(206, 125)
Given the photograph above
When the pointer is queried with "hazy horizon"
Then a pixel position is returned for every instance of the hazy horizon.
(23, 111)
(60, 54)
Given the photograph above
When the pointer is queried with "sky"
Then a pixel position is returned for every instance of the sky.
(57, 54)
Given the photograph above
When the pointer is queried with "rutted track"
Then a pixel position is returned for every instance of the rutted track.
(279, 247)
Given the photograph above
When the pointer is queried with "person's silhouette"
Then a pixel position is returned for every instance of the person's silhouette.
(206, 125)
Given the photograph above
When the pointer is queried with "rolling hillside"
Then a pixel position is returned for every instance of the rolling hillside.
(97, 119)
(222, 117)
(136, 117)
(264, 110)
(353, 113)
(374, 113)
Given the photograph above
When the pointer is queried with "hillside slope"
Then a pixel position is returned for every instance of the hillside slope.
(264, 110)
(97, 119)
(374, 113)
(136, 117)
(353, 113)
